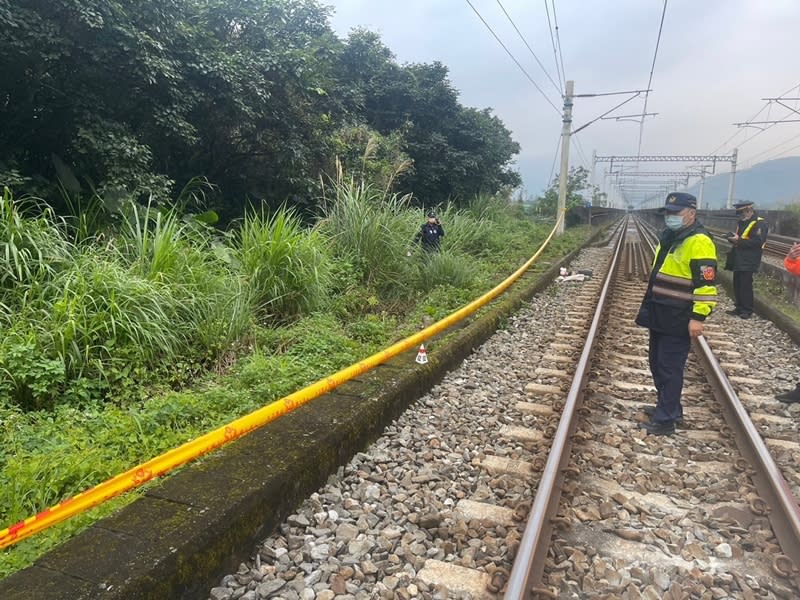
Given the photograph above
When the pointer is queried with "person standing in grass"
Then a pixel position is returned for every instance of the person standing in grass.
(430, 233)
(792, 264)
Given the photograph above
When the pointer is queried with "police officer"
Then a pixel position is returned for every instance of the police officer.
(680, 295)
(744, 258)
(430, 233)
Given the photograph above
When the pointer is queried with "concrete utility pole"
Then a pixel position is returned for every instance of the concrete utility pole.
(733, 178)
(564, 174)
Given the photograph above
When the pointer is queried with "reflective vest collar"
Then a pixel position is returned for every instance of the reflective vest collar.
(746, 233)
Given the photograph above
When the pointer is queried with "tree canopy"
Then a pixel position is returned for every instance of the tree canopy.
(577, 182)
(140, 97)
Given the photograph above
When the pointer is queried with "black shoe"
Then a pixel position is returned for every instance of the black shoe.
(745, 315)
(791, 396)
(651, 410)
(658, 428)
(734, 311)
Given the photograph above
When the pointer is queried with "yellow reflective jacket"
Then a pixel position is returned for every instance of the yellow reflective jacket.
(682, 281)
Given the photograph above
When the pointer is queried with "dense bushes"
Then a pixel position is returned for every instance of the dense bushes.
(138, 98)
(162, 297)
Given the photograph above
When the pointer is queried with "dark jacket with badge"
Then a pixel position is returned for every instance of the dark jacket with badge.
(682, 281)
(746, 253)
(429, 234)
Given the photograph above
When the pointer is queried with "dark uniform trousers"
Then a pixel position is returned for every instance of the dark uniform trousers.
(743, 291)
(668, 354)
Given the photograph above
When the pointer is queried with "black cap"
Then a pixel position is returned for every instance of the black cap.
(431, 215)
(743, 204)
(677, 201)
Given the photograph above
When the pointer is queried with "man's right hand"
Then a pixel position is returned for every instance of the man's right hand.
(695, 328)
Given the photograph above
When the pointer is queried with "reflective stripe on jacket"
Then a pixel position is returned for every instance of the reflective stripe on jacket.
(688, 274)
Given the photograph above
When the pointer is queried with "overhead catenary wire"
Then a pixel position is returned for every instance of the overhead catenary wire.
(555, 158)
(771, 125)
(650, 79)
(782, 152)
(581, 152)
(636, 95)
(553, 42)
(521, 68)
(770, 149)
(741, 130)
(527, 45)
(558, 41)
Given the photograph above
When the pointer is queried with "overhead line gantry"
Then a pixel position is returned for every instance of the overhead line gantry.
(694, 158)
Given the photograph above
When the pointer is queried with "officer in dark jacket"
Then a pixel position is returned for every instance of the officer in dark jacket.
(744, 258)
(430, 233)
(680, 294)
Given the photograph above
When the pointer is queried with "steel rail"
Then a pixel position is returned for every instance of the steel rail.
(785, 514)
(529, 564)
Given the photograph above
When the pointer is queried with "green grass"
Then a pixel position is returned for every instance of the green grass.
(284, 265)
(98, 341)
(775, 294)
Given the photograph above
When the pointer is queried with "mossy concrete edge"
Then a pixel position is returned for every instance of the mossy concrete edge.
(189, 529)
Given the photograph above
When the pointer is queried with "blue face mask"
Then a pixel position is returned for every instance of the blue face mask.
(674, 222)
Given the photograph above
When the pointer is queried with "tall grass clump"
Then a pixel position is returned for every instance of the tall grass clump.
(445, 269)
(283, 264)
(212, 305)
(371, 231)
(153, 303)
(32, 245)
(154, 241)
(467, 234)
(95, 323)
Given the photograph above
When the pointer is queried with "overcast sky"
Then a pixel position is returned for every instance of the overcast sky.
(716, 60)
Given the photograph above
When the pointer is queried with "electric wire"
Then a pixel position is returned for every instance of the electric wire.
(770, 149)
(499, 41)
(636, 95)
(558, 41)
(553, 166)
(650, 80)
(553, 42)
(524, 41)
(782, 152)
(580, 151)
(740, 129)
(770, 126)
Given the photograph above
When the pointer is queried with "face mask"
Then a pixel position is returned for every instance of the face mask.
(674, 222)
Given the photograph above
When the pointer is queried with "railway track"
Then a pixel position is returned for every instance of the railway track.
(698, 514)
(518, 478)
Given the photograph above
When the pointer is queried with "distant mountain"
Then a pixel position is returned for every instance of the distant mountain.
(771, 184)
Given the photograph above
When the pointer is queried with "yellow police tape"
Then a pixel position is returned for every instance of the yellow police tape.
(176, 457)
